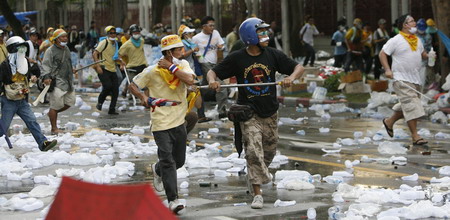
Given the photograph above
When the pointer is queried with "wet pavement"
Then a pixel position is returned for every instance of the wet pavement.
(223, 197)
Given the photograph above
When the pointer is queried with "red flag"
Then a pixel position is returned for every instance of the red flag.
(81, 200)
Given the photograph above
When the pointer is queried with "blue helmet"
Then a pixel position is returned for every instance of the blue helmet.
(247, 30)
(421, 25)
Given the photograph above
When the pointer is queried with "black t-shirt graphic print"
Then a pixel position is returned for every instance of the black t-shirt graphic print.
(256, 69)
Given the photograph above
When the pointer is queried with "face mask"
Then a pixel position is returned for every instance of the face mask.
(413, 30)
(136, 36)
(112, 38)
(264, 39)
(175, 60)
(22, 50)
(63, 44)
(359, 26)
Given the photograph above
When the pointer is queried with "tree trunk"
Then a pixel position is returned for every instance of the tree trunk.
(157, 9)
(242, 7)
(119, 9)
(296, 23)
(51, 16)
(11, 18)
(441, 11)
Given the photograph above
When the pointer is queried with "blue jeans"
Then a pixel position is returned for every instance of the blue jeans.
(23, 109)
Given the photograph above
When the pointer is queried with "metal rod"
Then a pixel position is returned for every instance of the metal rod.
(89, 65)
(128, 79)
(244, 85)
(423, 95)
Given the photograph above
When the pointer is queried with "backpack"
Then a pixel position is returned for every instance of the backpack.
(100, 52)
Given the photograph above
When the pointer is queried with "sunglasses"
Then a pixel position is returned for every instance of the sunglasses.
(263, 33)
(111, 33)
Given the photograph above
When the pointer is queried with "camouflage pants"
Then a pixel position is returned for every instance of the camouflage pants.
(260, 138)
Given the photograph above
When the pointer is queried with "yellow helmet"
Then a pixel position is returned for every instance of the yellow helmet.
(171, 41)
(357, 21)
(109, 28)
(430, 22)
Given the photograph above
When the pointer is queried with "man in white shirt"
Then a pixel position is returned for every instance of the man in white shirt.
(307, 38)
(209, 42)
(407, 53)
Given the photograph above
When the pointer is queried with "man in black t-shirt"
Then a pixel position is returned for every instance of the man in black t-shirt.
(257, 63)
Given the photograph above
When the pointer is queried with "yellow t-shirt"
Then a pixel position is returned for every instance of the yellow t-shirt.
(3, 53)
(107, 54)
(123, 39)
(135, 55)
(167, 117)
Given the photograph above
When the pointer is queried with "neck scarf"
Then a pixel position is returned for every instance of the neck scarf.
(168, 77)
(18, 63)
(411, 39)
(136, 43)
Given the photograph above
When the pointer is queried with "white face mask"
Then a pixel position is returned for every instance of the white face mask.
(112, 38)
(413, 30)
(175, 60)
(136, 36)
(63, 43)
(264, 39)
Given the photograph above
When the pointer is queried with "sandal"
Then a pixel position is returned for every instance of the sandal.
(420, 141)
(389, 131)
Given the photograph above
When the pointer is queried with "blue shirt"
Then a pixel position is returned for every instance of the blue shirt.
(339, 37)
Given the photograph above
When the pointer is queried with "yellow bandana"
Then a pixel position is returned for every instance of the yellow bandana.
(191, 98)
(412, 40)
(18, 77)
(168, 77)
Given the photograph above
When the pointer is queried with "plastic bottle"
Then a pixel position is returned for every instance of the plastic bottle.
(431, 57)
(317, 178)
(311, 213)
(335, 213)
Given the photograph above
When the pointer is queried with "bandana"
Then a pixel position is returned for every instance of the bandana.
(136, 43)
(18, 63)
(411, 39)
(168, 77)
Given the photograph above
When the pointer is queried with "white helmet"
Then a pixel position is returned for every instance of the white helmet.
(13, 42)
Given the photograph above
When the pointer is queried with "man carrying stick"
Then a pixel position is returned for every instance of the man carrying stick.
(257, 63)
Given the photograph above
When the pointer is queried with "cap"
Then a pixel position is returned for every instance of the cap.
(357, 21)
(50, 30)
(382, 21)
(184, 29)
(430, 22)
(58, 33)
(109, 28)
(33, 30)
(171, 41)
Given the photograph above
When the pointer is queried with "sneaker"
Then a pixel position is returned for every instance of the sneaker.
(176, 207)
(258, 202)
(223, 115)
(99, 106)
(47, 145)
(113, 113)
(157, 180)
(249, 186)
(204, 119)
